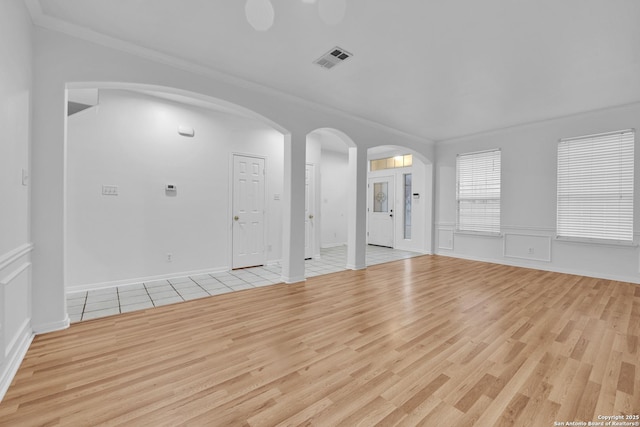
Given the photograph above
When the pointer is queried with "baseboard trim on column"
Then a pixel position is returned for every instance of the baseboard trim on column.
(291, 280)
(356, 267)
(43, 328)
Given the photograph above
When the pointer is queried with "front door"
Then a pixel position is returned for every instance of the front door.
(380, 209)
(248, 211)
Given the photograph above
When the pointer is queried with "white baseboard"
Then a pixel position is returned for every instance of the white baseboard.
(43, 328)
(292, 280)
(15, 354)
(332, 245)
(553, 269)
(356, 267)
(420, 251)
(114, 283)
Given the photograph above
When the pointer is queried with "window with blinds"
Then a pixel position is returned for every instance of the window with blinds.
(595, 186)
(478, 191)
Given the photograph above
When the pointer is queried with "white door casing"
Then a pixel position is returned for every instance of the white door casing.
(309, 212)
(248, 211)
(380, 211)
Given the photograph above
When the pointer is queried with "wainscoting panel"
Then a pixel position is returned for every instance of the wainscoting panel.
(2, 326)
(445, 238)
(16, 308)
(15, 312)
(527, 246)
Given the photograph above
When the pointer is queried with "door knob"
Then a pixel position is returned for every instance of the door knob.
(391, 215)
(235, 218)
(310, 216)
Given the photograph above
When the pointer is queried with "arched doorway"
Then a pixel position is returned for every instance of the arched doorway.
(149, 188)
(399, 199)
(331, 169)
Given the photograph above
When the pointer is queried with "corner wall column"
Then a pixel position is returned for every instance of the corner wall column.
(295, 153)
(48, 163)
(357, 209)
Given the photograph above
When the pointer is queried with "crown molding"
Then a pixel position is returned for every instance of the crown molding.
(40, 19)
(532, 124)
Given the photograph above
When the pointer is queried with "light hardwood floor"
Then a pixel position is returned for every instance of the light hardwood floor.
(424, 341)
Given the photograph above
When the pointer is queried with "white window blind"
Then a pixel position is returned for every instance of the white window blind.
(478, 191)
(595, 186)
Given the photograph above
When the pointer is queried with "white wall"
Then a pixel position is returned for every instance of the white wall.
(334, 172)
(528, 210)
(130, 140)
(15, 238)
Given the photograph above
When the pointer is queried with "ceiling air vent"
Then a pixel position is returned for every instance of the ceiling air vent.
(333, 58)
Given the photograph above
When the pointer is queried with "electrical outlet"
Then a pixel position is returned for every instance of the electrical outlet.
(109, 190)
(530, 251)
(169, 257)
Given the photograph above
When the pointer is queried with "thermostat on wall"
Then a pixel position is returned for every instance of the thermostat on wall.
(170, 187)
(186, 131)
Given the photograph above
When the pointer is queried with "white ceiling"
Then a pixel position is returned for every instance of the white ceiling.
(432, 68)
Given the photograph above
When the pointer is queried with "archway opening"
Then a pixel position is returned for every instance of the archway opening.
(149, 185)
(399, 199)
(328, 175)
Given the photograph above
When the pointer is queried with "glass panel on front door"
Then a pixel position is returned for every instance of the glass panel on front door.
(380, 197)
(407, 206)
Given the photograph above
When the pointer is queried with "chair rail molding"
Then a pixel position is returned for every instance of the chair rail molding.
(15, 254)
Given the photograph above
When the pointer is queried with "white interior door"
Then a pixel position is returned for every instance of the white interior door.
(248, 211)
(309, 213)
(380, 210)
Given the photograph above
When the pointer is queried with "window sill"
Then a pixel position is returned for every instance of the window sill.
(598, 242)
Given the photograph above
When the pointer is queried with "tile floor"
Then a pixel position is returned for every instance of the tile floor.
(139, 296)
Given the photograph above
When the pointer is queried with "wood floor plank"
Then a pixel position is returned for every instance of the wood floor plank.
(626, 378)
(430, 340)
